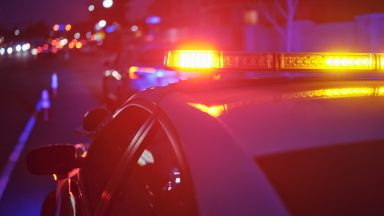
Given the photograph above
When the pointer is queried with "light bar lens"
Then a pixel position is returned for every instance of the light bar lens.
(324, 61)
(194, 59)
(380, 64)
(208, 59)
(237, 60)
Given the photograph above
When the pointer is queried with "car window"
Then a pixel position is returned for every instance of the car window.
(157, 184)
(106, 151)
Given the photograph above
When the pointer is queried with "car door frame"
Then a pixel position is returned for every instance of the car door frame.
(156, 115)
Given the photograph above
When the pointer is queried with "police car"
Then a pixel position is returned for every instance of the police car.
(129, 74)
(254, 134)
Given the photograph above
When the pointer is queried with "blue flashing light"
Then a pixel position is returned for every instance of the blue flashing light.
(110, 29)
(61, 27)
(153, 20)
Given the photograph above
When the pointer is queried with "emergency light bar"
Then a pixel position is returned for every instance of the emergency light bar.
(381, 61)
(209, 59)
(202, 59)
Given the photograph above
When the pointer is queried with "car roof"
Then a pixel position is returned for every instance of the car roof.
(223, 126)
(308, 112)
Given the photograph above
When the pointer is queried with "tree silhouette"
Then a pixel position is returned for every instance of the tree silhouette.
(280, 13)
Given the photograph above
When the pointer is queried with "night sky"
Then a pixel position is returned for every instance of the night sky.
(337, 10)
(24, 12)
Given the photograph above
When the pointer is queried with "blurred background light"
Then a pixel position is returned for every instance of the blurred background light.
(107, 3)
(63, 42)
(18, 48)
(153, 20)
(101, 24)
(71, 45)
(110, 29)
(88, 35)
(26, 47)
(17, 32)
(134, 28)
(68, 27)
(77, 35)
(78, 45)
(34, 51)
(91, 8)
(9, 50)
(56, 27)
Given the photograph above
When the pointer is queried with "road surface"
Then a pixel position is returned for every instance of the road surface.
(22, 81)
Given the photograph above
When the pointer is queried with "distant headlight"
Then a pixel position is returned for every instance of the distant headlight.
(113, 73)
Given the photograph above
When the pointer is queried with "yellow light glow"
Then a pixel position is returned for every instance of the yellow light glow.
(84, 155)
(132, 72)
(381, 61)
(380, 91)
(54, 177)
(78, 45)
(71, 45)
(335, 61)
(196, 59)
(340, 93)
(214, 111)
(68, 27)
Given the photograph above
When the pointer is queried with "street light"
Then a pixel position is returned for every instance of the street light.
(107, 3)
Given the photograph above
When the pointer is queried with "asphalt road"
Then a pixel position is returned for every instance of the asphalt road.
(21, 83)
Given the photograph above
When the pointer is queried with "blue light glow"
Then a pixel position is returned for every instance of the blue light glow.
(178, 180)
(110, 29)
(153, 20)
(160, 74)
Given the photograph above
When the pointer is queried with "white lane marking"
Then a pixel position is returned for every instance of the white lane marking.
(18, 149)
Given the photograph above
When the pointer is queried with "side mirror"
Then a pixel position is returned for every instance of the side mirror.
(96, 119)
(54, 159)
